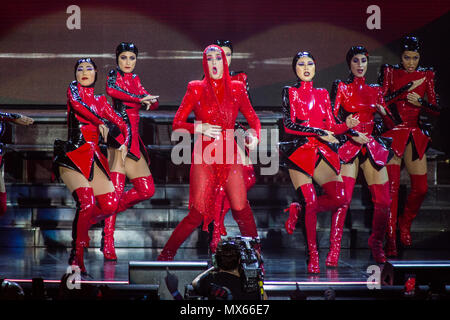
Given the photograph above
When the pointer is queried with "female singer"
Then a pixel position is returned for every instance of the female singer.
(17, 119)
(249, 173)
(216, 101)
(404, 88)
(128, 95)
(79, 161)
(310, 151)
(361, 148)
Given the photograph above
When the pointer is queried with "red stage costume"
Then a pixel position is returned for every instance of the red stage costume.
(361, 100)
(3, 118)
(307, 114)
(85, 113)
(216, 102)
(406, 128)
(248, 171)
(126, 91)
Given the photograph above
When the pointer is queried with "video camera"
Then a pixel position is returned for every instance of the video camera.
(250, 266)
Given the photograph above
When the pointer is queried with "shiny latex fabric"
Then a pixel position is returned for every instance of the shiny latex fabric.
(381, 204)
(215, 102)
(360, 99)
(395, 81)
(85, 113)
(126, 91)
(242, 77)
(419, 188)
(394, 172)
(307, 113)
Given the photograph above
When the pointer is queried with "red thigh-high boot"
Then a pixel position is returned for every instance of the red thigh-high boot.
(84, 198)
(337, 223)
(245, 221)
(3, 207)
(143, 189)
(180, 234)
(419, 188)
(333, 198)
(394, 185)
(107, 243)
(308, 200)
(381, 206)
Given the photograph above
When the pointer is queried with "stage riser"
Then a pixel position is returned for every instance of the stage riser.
(271, 238)
(359, 217)
(178, 195)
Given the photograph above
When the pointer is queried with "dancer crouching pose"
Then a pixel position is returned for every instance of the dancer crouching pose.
(310, 151)
(216, 101)
(361, 148)
(128, 95)
(79, 161)
(404, 88)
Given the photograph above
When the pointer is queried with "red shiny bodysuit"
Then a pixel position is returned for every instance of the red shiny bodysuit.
(216, 102)
(307, 113)
(361, 99)
(127, 91)
(85, 113)
(394, 79)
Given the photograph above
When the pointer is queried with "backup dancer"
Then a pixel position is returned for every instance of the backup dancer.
(404, 87)
(361, 148)
(310, 151)
(79, 161)
(248, 171)
(216, 101)
(128, 95)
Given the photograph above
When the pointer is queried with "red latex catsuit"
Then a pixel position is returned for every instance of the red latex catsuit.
(307, 113)
(85, 113)
(216, 102)
(361, 99)
(396, 82)
(249, 179)
(3, 118)
(126, 91)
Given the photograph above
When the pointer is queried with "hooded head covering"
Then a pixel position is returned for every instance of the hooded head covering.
(218, 91)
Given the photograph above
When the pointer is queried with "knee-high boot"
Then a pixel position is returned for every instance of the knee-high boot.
(333, 198)
(419, 188)
(381, 201)
(337, 223)
(180, 234)
(107, 242)
(394, 185)
(85, 201)
(245, 221)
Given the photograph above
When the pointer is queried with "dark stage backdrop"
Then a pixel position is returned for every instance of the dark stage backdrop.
(41, 40)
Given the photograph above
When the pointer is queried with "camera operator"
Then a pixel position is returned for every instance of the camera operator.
(237, 273)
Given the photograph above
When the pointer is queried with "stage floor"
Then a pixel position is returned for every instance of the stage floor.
(280, 265)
